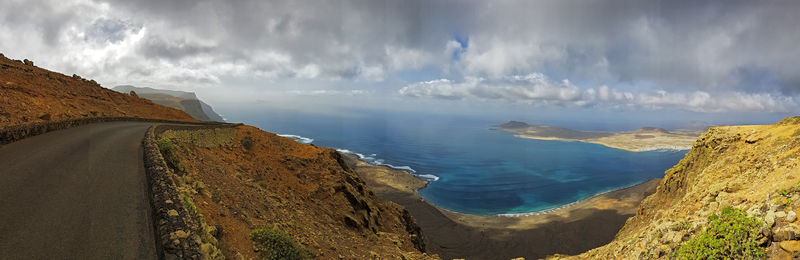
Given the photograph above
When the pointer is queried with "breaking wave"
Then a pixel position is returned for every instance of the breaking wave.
(298, 138)
(372, 160)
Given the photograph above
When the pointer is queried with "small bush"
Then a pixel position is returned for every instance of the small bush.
(216, 195)
(729, 235)
(273, 243)
(190, 207)
(167, 149)
(247, 142)
(165, 146)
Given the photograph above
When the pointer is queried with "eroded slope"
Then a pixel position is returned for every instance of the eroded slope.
(247, 178)
(750, 168)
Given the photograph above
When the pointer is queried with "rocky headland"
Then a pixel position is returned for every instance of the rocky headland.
(185, 101)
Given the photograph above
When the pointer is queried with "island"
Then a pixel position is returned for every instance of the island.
(641, 140)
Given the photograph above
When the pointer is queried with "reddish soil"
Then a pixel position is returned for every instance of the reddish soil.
(305, 190)
(30, 94)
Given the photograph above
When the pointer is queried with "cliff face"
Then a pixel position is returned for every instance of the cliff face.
(30, 94)
(751, 168)
(246, 178)
(186, 101)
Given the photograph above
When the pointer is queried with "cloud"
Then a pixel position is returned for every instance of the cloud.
(681, 47)
(537, 89)
(328, 92)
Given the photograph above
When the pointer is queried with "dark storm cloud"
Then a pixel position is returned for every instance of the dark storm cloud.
(731, 48)
(341, 38)
(154, 47)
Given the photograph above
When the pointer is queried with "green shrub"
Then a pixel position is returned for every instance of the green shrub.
(165, 146)
(729, 235)
(247, 142)
(167, 149)
(273, 243)
(216, 195)
(190, 207)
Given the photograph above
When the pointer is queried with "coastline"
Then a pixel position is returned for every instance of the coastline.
(569, 229)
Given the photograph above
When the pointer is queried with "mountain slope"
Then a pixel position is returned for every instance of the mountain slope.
(30, 94)
(186, 101)
(751, 168)
(244, 178)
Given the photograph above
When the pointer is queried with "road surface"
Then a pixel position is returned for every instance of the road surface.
(79, 193)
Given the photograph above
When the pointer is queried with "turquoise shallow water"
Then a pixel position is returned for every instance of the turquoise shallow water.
(476, 170)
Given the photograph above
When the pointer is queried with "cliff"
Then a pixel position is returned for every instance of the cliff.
(186, 101)
(737, 182)
(243, 179)
(30, 94)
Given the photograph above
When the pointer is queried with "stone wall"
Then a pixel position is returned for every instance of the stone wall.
(177, 236)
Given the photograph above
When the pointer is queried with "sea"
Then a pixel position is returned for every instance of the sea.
(471, 167)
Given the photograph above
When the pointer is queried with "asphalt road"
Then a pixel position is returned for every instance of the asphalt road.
(79, 193)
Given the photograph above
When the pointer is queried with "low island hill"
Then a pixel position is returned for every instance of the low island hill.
(735, 195)
(186, 101)
(643, 139)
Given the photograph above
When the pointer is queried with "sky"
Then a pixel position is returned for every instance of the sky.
(720, 61)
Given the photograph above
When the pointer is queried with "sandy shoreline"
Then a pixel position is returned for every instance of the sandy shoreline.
(581, 226)
(674, 143)
(641, 140)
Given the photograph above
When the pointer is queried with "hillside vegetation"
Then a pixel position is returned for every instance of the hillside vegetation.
(735, 195)
(30, 94)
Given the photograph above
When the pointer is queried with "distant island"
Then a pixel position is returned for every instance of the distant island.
(641, 140)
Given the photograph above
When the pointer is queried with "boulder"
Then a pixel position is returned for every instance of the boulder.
(45, 116)
(180, 234)
(769, 219)
(791, 216)
(790, 246)
(786, 233)
(133, 94)
(27, 62)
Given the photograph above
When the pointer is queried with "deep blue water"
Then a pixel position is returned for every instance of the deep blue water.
(480, 171)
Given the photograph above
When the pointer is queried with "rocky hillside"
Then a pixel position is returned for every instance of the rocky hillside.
(30, 94)
(186, 101)
(736, 195)
(244, 181)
